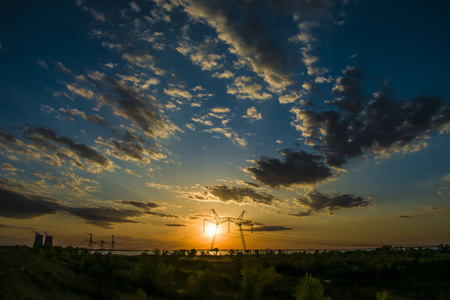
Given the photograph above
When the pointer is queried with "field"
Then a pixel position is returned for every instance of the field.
(73, 273)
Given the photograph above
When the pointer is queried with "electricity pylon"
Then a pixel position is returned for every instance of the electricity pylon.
(239, 221)
(90, 241)
(112, 243)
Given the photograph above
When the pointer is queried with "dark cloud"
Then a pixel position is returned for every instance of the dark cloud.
(21, 206)
(405, 216)
(7, 138)
(132, 151)
(176, 225)
(297, 168)
(252, 184)
(269, 228)
(238, 194)
(144, 205)
(41, 136)
(105, 216)
(161, 215)
(317, 202)
(142, 109)
(362, 123)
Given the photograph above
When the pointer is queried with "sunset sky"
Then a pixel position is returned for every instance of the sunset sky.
(326, 121)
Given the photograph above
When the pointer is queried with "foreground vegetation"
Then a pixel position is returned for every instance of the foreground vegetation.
(73, 273)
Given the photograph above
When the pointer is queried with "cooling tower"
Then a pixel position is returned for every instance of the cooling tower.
(38, 240)
(48, 240)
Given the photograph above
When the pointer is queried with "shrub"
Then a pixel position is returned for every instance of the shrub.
(310, 288)
(256, 278)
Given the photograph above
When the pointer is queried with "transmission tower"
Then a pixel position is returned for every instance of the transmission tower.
(102, 244)
(239, 221)
(90, 241)
(112, 244)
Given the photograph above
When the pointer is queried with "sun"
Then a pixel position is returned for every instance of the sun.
(210, 229)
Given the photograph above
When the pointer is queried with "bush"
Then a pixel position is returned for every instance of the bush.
(310, 288)
(256, 278)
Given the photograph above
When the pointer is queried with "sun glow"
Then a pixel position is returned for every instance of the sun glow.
(210, 229)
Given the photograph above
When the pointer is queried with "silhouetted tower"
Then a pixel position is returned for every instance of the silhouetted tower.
(90, 241)
(48, 240)
(112, 243)
(38, 240)
(102, 244)
(239, 221)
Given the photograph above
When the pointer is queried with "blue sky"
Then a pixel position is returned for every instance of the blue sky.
(325, 121)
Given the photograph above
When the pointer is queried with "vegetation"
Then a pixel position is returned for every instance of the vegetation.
(74, 273)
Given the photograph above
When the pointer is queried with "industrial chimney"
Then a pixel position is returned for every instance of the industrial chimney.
(38, 240)
(48, 240)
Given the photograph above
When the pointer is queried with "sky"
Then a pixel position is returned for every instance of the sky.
(327, 122)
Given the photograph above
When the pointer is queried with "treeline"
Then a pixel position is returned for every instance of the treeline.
(384, 273)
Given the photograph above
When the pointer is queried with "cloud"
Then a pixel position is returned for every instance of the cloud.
(7, 167)
(42, 64)
(99, 17)
(145, 61)
(158, 185)
(201, 54)
(430, 211)
(93, 118)
(63, 69)
(230, 134)
(177, 92)
(26, 206)
(176, 225)
(135, 7)
(21, 206)
(224, 75)
(253, 114)
(297, 168)
(228, 193)
(144, 205)
(250, 37)
(140, 108)
(361, 123)
(315, 202)
(105, 216)
(130, 150)
(220, 110)
(244, 87)
(41, 136)
(76, 89)
(269, 228)
(447, 178)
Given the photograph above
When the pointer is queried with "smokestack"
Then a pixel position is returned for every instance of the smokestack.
(48, 240)
(38, 240)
